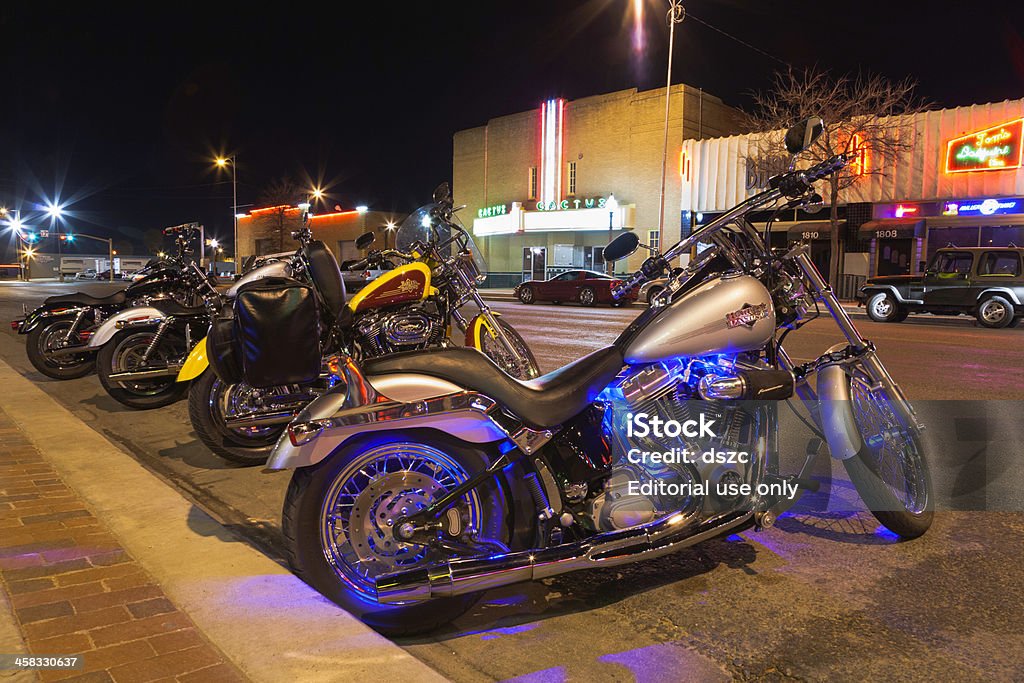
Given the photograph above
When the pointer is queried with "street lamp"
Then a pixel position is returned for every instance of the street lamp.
(55, 211)
(676, 14)
(222, 162)
(612, 205)
(389, 227)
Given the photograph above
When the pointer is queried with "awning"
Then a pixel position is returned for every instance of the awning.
(810, 230)
(893, 228)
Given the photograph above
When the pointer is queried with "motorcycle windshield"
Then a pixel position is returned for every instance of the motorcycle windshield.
(421, 227)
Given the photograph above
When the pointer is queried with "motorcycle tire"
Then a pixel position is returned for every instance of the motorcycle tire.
(141, 395)
(69, 367)
(870, 470)
(493, 349)
(304, 514)
(207, 418)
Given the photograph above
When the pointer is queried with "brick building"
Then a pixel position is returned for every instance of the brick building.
(538, 184)
(268, 230)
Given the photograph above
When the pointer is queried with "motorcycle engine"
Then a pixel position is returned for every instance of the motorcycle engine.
(669, 391)
(408, 328)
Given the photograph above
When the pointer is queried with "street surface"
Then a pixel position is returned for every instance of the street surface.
(824, 594)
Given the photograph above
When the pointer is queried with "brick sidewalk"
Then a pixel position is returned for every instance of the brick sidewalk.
(74, 590)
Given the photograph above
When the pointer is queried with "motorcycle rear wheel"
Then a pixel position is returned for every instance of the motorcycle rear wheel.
(123, 352)
(206, 399)
(42, 338)
(891, 471)
(328, 534)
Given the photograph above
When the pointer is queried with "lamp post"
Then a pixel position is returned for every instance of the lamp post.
(612, 204)
(55, 211)
(676, 14)
(222, 162)
(389, 228)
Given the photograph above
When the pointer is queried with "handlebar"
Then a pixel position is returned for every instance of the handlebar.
(793, 184)
(378, 256)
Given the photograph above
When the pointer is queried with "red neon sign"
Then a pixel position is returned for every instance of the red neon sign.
(994, 149)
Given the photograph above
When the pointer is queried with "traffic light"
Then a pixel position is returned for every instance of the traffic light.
(67, 237)
(31, 237)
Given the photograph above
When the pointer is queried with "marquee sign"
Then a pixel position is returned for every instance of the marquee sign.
(986, 207)
(573, 204)
(994, 149)
(489, 211)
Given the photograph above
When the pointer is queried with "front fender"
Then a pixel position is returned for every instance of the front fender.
(386, 403)
(195, 364)
(109, 327)
(476, 329)
(836, 411)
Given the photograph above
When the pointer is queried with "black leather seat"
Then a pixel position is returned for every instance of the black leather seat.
(172, 307)
(83, 299)
(323, 269)
(544, 402)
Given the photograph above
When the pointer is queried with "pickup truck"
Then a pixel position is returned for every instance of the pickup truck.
(986, 282)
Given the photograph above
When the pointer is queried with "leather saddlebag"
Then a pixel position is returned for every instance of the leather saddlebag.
(277, 324)
(222, 346)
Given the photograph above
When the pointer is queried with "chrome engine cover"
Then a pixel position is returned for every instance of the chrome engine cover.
(669, 391)
(407, 329)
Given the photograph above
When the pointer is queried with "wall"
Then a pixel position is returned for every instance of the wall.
(331, 228)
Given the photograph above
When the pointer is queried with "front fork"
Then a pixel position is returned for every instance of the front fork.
(864, 350)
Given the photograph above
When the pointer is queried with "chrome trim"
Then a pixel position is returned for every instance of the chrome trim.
(836, 411)
(869, 289)
(109, 328)
(171, 370)
(1002, 290)
(613, 548)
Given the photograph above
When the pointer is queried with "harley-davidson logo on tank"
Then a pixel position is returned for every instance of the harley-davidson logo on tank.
(410, 282)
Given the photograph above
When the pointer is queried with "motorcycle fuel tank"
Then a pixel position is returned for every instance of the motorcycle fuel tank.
(726, 314)
(272, 269)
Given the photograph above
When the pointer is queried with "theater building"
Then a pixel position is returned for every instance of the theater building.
(268, 230)
(960, 183)
(546, 189)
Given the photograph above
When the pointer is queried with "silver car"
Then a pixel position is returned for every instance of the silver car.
(650, 289)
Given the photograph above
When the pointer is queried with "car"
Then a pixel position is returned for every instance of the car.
(986, 282)
(87, 274)
(586, 287)
(104, 275)
(652, 288)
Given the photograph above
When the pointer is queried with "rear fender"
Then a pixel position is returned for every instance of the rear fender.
(109, 327)
(47, 313)
(195, 364)
(383, 403)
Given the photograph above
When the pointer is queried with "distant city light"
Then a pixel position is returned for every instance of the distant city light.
(390, 225)
(304, 206)
(317, 193)
(214, 243)
(240, 215)
(362, 208)
(221, 161)
(54, 210)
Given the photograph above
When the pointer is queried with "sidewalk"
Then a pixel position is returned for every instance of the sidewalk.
(102, 559)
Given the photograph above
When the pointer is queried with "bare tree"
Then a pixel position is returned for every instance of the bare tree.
(282, 194)
(865, 117)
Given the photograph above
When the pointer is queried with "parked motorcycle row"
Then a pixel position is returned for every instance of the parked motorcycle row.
(425, 472)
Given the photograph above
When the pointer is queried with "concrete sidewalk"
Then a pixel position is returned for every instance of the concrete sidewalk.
(100, 558)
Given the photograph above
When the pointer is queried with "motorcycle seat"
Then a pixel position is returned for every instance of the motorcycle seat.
(546, 401)
(83, 299)
(172, 307)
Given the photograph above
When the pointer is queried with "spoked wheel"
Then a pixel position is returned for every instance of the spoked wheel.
(587, 296)
(526, 295)
(124, 353)
(890, 472)
(211, 402)
(45, 339)
(339, 524)
(522, 364)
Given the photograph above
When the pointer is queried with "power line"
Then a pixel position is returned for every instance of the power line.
(744, 43)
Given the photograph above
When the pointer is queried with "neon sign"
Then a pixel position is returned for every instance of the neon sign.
(573, 204)
(994, 149)
(551, 150)
(987, 207)
(902, 210)
(489, 211)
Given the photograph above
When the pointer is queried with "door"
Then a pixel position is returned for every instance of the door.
(947, 279)
(894, 256)
(534, 263)
(562, 287)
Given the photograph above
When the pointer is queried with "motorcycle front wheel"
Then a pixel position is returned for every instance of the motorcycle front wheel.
(339, 516)
(891, 471)
(42, 340)
(521, 365)
(124, 353)
(209, 402)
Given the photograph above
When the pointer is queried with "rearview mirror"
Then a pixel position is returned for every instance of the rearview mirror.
(365, 240)
(443, 194)
(800, 137)
(621, 247)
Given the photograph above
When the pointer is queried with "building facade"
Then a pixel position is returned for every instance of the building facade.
(546, 189)
(960, 182)
(269, 231)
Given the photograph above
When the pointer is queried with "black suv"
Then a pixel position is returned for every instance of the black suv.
(986, 282)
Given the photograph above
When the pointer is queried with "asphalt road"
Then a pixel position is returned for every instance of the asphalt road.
(825, 593)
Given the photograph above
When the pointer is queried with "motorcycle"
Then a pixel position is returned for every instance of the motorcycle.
(140, 350)
(408, 307)
(430, 477)
(59, 330)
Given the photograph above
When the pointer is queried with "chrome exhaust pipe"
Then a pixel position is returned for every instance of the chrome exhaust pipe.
(69, 350)
(609, 549)
(135, 375)
(260, 420)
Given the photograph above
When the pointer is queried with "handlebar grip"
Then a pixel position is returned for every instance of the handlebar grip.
(359, 265)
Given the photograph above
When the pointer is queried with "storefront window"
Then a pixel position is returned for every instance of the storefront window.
(957, 237)
(1002, 236)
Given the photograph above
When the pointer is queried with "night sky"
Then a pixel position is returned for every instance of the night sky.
(119, 114)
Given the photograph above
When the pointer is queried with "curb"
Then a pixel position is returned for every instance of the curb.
(269, 623)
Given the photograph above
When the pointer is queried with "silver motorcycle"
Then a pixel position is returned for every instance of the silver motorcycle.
(434, 476)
